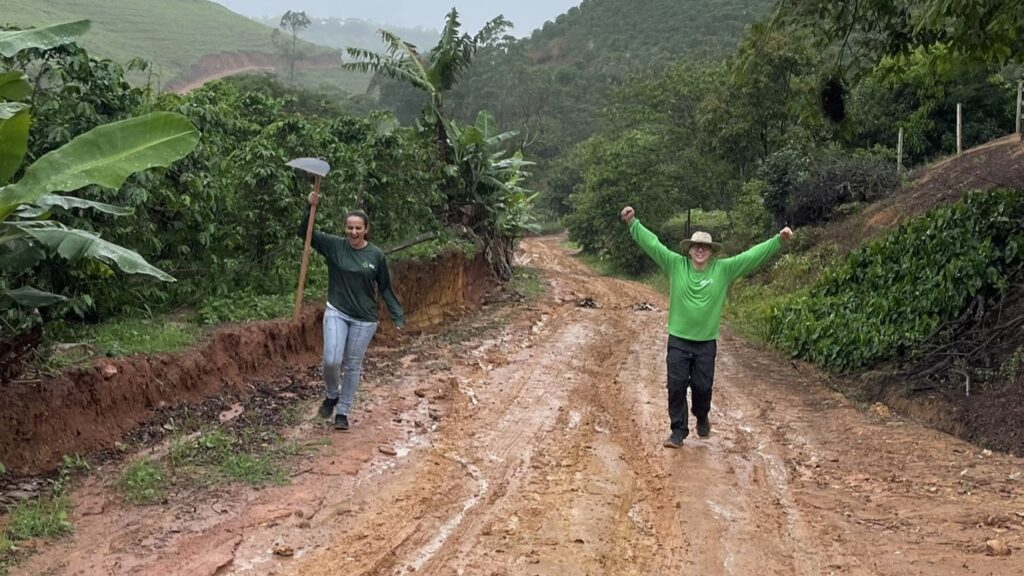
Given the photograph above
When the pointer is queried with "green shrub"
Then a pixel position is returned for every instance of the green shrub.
(836, 180)
(751, 222)
(781, 172)
(895, 292)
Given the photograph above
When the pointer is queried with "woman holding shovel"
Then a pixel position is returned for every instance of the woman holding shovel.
(356, 272)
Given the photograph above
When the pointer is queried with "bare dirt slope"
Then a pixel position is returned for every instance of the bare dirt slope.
(531, 444)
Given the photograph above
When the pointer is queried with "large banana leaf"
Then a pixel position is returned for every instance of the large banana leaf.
(74, 244)
(48, 201)
(106, 156)
(14, 85)
(14, 122)
(18, 254)
(48, 37)
(486, 124)
(33, 297)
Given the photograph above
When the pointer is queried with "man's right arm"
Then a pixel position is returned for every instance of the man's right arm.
(319, 240)
(651, 245)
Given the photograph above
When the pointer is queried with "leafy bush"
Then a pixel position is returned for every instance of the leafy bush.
(836, 180)
(781, 172)
(751, 222)
(895, 292)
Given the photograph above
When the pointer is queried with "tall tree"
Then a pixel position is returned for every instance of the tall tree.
(294, 22)
(437, 72)
(991, 31)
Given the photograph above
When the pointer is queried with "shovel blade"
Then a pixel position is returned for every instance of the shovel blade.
(311, 165)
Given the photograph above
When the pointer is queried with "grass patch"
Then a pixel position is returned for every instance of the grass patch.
(144, 336)
(246, 307)
(749, 306)
(44, 517)
(548, 228)
(47, 516)
(250, 455)
(122, 337)
(144, 482)
(527, 282)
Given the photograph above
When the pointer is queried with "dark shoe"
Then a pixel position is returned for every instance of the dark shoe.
(703, 427)
(327, 408)
(341, 422)
(674, 440)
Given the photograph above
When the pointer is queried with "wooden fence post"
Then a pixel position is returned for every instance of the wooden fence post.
(899, 152)
(1020, 98)
(959, 126)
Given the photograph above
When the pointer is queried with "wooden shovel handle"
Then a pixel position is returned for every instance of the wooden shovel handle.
(305, 253)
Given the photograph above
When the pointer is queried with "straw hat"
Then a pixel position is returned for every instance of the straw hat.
(701, 238)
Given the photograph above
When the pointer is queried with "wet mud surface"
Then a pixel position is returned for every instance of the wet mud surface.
(526, 440)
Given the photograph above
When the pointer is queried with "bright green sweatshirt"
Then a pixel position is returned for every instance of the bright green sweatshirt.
(696, 297)
(355, 277)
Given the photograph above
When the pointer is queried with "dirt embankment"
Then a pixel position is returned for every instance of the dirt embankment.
(214, 66)
(997, 164)
(90, 409)
(949, 397)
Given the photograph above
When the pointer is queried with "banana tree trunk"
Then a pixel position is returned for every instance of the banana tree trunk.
(500, 254)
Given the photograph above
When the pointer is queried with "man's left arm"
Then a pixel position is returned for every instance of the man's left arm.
(744, 263)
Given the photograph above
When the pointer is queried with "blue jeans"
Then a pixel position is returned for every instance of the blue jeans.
(345, 343)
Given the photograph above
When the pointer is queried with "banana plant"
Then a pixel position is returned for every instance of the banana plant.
(492, 179)
(104, 156)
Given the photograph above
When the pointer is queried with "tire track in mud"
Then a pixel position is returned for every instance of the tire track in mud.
(500, 440)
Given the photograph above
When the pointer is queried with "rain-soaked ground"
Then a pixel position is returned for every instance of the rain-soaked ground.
(531, 444)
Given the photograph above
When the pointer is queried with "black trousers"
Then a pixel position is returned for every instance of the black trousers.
(691, 364)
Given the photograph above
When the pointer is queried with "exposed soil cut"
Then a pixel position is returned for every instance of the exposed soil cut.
(997, 164)
(213, 66)
(526, 440)
(88, 410)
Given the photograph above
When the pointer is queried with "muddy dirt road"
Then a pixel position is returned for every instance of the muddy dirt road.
(529, 442)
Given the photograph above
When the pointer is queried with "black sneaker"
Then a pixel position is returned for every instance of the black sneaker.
(327, 408)
(703, 427)
(674, 440)
(341, 422)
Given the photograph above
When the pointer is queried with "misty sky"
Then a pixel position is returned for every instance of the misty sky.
(525, 14)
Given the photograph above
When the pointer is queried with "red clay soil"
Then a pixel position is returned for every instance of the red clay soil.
(526, 441)
(90, 409)
(213, 66)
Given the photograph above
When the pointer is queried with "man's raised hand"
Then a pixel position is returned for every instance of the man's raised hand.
(786, 233)
(627, 214)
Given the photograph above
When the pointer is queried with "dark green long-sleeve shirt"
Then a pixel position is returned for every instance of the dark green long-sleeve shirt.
(355, 277)
(696, 297)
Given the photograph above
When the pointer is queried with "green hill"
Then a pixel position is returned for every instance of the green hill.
(554, 86)
(558, 79)
(185, 41)
(615, 35)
